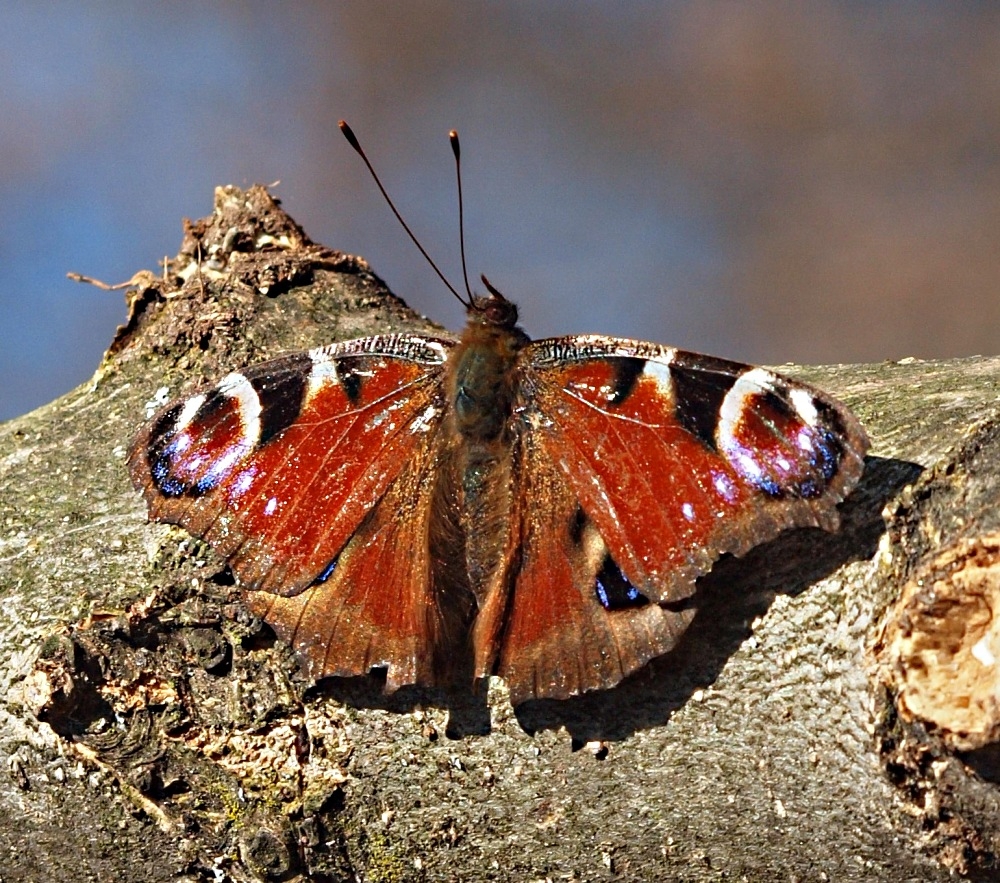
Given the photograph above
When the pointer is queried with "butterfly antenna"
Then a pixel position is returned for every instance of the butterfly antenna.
(353, 141)
(457, 150)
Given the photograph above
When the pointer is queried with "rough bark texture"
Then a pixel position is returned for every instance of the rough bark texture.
(151, 729)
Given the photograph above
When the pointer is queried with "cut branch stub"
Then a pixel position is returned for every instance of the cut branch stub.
(941, 644)
(937, 653)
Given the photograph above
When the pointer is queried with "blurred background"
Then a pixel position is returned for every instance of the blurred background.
(768, 181)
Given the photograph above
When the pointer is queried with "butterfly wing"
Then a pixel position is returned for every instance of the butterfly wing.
(636, 467)
(541, 627)
(310, 474)
(384, 604)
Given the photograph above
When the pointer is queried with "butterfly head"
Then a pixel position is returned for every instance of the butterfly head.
(492, 309)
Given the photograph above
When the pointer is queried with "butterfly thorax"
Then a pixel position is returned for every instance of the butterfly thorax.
(481, 379)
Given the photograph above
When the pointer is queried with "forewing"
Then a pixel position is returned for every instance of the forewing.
(678, 458)
(278, 465)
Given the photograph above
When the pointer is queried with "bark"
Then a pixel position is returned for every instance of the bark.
(152, 729)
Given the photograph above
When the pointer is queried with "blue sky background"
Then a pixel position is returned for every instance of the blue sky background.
(767, 181)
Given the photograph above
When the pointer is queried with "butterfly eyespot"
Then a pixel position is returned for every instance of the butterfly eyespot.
(204, 484)
(830, 453)
(614, 590)
(160, 469)
(327, 572)
(171, 487)
(810, 488)
(769, 486)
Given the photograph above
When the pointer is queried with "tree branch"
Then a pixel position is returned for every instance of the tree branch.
(154, 730)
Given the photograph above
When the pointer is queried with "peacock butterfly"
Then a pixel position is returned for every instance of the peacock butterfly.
(539, 510)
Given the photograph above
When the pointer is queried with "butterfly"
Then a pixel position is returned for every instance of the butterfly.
(540, 510)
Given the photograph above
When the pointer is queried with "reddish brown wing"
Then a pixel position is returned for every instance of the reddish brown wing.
(313, 471)
(542, 628)
(381, 605)
(637, 467)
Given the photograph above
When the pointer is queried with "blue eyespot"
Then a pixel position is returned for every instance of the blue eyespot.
(327, 572)
(613, 588)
